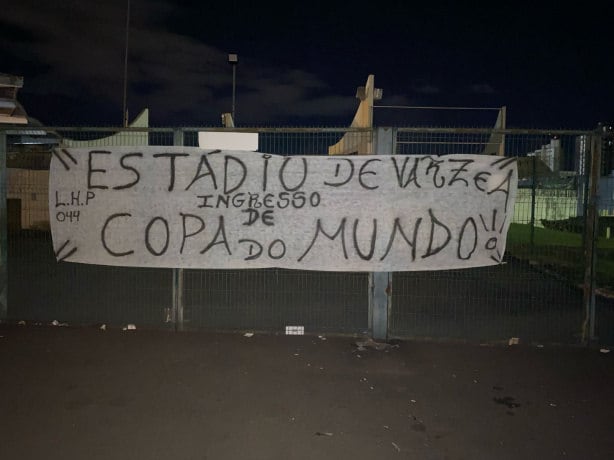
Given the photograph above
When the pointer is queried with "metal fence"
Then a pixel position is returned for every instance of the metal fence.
(554, 285)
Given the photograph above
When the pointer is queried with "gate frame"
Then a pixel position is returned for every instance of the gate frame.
(590, 240)
(380, 283)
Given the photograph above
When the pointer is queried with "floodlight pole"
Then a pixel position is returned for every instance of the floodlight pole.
(234, 89)
(233, 60)
(125, 108)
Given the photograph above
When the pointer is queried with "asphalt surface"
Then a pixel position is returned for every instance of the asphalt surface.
(84, 393)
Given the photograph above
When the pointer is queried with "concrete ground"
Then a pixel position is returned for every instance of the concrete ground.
(83, 393)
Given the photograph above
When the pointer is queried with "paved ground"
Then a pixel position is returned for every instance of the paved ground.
(82, 393)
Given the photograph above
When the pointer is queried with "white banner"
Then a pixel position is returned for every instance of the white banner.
(186, 207)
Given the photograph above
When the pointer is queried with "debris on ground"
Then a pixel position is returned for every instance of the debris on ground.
(295, 330)
(22, 323)
(321, 337)
(395, 445)
(604, 350)
(103, 327)
(362, 345)
(55, 322)
(513, 341)
(507, 401)
(248, 334)
(323, 433)
(129, 327)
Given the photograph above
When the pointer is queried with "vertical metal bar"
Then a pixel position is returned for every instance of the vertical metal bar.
(177, 308)
(503, 126)
(3, 230)
(381, 282)
(596, 174)
(533, 186)
(379, 298)
(371, 280)
(590, 248)
(585, 185)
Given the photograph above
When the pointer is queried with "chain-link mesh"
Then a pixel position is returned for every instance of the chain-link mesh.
(604, 267)
(41, 289)
(537, 294)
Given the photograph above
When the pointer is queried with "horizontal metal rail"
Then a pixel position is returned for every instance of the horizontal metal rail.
(432, 107)
(446, 143)
(516, 131)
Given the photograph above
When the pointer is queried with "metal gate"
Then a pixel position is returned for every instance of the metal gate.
(544, 291)
(552, 286)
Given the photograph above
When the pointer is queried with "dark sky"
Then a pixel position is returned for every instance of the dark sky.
(300, 62)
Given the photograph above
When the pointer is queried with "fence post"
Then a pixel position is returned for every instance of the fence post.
(177, 308)
(533, 187)
(380, 283)
(3, 229)
(590, 246)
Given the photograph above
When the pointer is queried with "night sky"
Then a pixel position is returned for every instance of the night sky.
(300, 62)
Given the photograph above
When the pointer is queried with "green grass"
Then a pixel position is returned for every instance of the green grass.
(561, 251)
(521, 234)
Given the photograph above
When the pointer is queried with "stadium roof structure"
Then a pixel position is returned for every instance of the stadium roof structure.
(11, 111)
